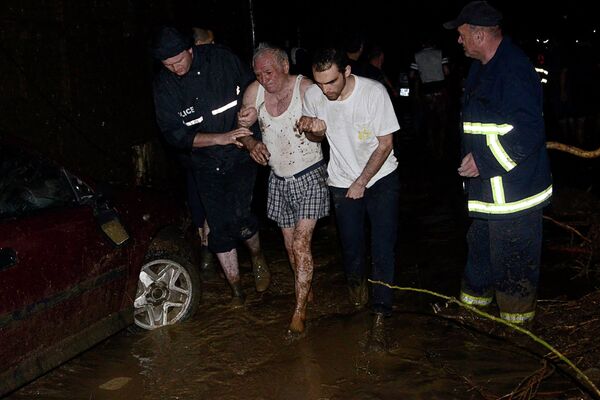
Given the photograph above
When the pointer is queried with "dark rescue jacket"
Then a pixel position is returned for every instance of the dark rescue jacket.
(206, 99)
(503, 128)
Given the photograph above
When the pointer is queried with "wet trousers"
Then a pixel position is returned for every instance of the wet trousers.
(379, 206)
(503, 261)
(226, 195)
(194, 202)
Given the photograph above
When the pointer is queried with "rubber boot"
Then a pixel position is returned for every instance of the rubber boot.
(208, 265)
(262, 276)
(359, 294)
(238, 298)
(377, 342)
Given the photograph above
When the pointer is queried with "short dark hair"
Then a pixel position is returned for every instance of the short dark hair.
(353, 42)
(324, 58)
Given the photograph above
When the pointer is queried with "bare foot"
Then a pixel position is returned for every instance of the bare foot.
(297, 324)
(296, 330)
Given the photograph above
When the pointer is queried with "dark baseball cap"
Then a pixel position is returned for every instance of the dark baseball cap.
(479, 13)
(168, 42)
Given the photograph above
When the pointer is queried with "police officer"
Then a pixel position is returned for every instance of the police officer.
(197, 96)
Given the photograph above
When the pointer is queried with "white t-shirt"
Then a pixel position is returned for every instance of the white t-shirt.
(429, 62)
(353, 125)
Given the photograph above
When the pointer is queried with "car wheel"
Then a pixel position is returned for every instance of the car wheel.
(168, 292)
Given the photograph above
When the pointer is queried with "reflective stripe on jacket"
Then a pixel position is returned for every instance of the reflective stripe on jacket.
(205, 100)
(503, 128)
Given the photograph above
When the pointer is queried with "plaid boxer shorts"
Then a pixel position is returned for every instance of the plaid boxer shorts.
(304, 197)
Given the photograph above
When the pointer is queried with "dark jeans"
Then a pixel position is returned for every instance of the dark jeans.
(380, 206)
(226, 195)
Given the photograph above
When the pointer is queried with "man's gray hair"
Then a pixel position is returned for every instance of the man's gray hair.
(280, 55)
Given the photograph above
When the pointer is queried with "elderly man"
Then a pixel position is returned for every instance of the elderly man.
(197, 96)
(505, 164)
(298, 194)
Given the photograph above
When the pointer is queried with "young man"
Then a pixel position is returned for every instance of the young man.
(298, 194)
(197, 96)
(357, 117)
(505, 164)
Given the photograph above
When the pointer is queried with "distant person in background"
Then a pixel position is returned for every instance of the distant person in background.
(297, 192)
(549, 57)
(428, 72)
(203, 36)
(354, 46)
(580, 92)
(197, 96)
(374, 69)
(431, 66)
(300, 62)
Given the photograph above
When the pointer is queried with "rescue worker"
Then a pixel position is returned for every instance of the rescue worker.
(197, 96)
(506, 167)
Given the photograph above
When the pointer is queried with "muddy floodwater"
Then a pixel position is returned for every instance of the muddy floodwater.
(225, 353)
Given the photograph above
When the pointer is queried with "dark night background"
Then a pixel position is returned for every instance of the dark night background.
(75, 76)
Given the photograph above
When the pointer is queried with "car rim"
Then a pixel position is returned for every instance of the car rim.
(163, 295)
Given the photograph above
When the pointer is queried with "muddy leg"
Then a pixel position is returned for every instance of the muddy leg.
(304, 271)
(203, 233)
(229, 262)
(288, 240)
(262, 276)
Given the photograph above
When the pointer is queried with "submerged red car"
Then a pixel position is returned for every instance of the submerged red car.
(77, 266)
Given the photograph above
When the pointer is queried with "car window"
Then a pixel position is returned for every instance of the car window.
(29, 183)
(83, 192)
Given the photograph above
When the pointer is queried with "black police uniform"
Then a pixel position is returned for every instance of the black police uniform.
(207, 99)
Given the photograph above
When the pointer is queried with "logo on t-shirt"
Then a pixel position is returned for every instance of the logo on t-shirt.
(364, 134)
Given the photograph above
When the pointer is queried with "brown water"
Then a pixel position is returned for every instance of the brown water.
(225, 353)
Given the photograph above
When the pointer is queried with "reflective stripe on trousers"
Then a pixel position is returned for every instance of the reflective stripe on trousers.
(503, 260)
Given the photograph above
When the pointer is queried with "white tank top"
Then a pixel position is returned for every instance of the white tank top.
(290, 151)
